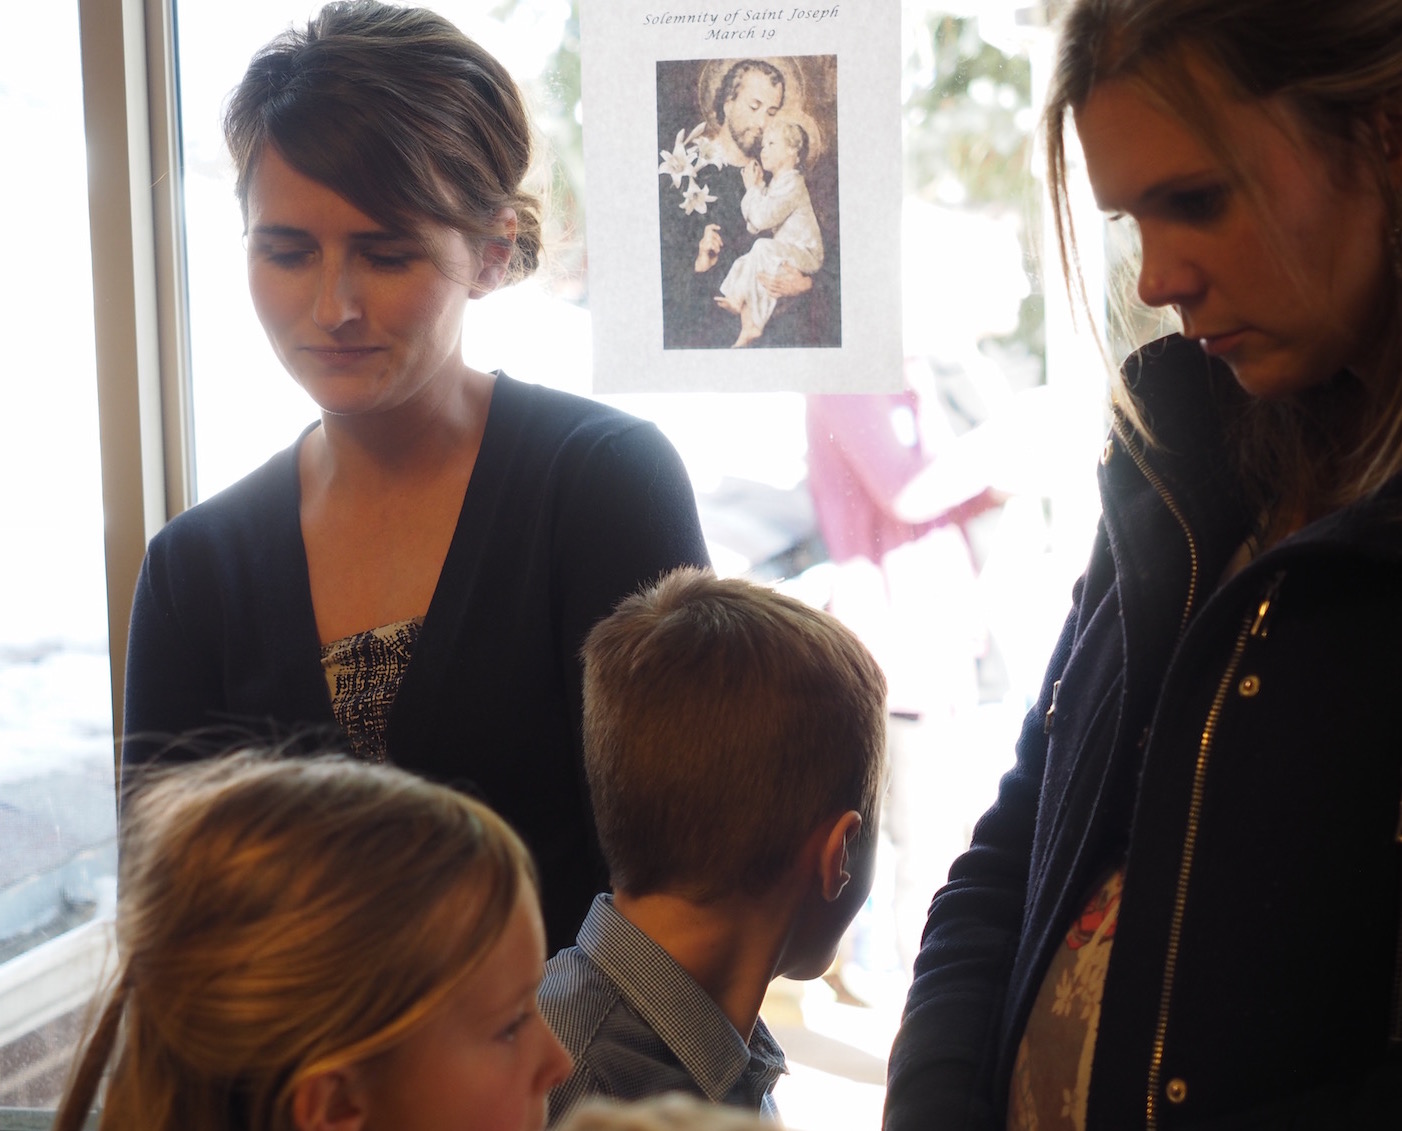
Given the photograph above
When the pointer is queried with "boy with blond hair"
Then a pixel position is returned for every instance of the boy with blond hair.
(734, 742)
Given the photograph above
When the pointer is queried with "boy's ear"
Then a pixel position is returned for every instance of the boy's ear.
(330, 1101)
(833, 856)
(496, 254)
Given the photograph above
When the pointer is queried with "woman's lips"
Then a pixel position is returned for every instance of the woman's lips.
(1215, 345)
(340, 357)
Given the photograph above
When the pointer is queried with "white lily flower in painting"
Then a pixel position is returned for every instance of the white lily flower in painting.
(708, 151)
(677, 164)
(695, 197)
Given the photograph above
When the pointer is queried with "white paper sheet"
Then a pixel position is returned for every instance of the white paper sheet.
(716, 137)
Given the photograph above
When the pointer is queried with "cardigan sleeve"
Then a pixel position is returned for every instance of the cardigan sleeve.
(172, 689)
(628, 517)
(222, 648)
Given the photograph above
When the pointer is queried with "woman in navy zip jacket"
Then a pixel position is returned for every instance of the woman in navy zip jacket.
(1183, 909)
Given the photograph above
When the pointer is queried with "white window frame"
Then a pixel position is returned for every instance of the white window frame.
(144, 416)
(140, 322)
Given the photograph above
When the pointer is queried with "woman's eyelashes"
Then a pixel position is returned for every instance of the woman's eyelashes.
(1198, 206)
(283, 256)
(1201, 205)
(512, 1029)
(390, 261)
(375, 256)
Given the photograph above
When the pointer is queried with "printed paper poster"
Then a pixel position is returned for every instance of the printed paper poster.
(743, 195)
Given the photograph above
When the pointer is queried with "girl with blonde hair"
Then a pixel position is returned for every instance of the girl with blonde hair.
(319, 945)
(1184, 907)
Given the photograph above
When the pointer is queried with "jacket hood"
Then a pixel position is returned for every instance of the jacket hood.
(1185, 398)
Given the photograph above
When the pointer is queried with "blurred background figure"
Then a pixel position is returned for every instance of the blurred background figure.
(903, 486)
(908, 590)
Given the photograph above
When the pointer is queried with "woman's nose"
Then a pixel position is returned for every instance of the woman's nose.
(1166, 275)
(336, 300)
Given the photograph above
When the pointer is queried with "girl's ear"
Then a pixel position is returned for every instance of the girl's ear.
(496, 254)
(330, 1101)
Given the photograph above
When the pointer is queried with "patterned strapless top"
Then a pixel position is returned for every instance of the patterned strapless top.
(363, 674)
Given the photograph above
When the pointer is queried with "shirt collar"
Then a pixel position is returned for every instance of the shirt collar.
(677, 1009)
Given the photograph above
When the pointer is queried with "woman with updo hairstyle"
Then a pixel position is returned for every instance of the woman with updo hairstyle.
(413, 578)
(1183, 909)
(319, 945)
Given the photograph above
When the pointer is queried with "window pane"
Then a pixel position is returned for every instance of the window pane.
(982, 597)
(56, 771)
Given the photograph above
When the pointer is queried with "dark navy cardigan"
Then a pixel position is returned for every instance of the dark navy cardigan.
(572, 505)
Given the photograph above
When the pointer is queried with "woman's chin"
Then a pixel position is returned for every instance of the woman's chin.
(1273, 378)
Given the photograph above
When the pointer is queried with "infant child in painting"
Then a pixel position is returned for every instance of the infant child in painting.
(780, 206)
(735, 746)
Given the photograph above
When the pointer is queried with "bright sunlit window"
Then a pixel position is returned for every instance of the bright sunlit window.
(962, 614)
(976, 337)
(57, 818)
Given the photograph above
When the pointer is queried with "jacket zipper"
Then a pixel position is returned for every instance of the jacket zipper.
(1122, 430)
(1253, 624)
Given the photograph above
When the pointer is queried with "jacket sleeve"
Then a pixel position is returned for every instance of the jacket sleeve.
(943, 1060)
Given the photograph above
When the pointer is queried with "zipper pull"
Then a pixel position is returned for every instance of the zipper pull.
(1258, 626)
(1051, 711)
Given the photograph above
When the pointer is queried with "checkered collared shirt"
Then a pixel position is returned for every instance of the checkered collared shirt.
(638, 1025)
